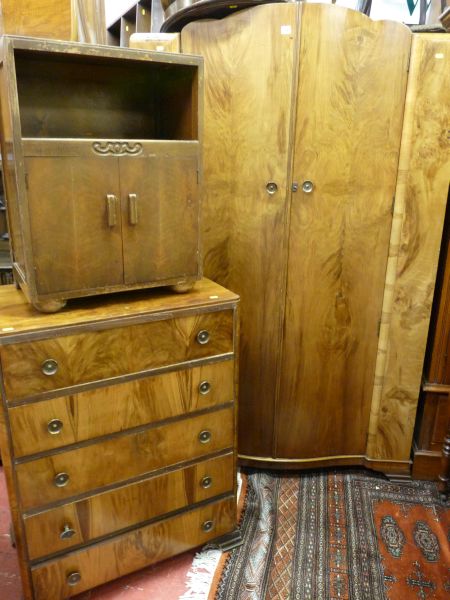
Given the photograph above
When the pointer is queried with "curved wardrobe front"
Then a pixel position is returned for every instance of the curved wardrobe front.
(303, 122)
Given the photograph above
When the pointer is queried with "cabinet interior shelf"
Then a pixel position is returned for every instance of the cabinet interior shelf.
(79, 96)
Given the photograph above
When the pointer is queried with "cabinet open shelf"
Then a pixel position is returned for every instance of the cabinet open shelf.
(73, 96)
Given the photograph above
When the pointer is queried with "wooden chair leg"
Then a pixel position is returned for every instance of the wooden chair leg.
(444, 475)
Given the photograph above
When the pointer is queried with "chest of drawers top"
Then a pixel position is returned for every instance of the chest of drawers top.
(19, 321)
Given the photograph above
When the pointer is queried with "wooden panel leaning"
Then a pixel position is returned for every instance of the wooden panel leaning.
(419, 211)
(137, 462)
(134, 115)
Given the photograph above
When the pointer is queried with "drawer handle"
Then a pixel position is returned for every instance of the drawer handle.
(133, 209)
(67, 532)
(73, 578)
(203, 337)
(111, 202)
(208, 526)
(204, 436)
(61, 480)
(204, 387)
(49, 367)
(206, 482)
(54, 426)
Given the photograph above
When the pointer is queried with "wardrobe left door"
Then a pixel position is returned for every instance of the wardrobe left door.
(249, 73)
(349, 114)
(73, 201)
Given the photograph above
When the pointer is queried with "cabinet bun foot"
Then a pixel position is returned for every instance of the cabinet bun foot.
(49, 306)
(182, 288)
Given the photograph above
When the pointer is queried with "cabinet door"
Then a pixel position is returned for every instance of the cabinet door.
(76, 235)
(160, 212)
(351, 94)
(249, 74)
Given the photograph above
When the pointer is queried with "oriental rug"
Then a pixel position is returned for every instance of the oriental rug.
(338, 536)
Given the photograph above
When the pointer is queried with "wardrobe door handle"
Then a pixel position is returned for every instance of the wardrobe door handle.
(111, 201)
(133, 208)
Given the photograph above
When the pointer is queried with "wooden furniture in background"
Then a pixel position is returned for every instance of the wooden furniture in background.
(157, 42)
(103, 194)
(117, 432)
(300, 172)
(433, 417)
(77, 20)
(144, 16)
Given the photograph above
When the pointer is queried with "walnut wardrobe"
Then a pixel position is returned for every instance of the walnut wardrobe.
(304, 112)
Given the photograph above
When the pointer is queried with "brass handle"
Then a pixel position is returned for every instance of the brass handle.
(208, 526)
(133, 209)
(204, 387)
(67, 532)
(271, 188)
(54, 426)
(204, 436)
(49, 367)
(111, 201)
(203, 337)
(73, 578)
(206, 482)
(61, 479)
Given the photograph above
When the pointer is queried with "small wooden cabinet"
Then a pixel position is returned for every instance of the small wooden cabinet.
(102, 168)
(117, 432)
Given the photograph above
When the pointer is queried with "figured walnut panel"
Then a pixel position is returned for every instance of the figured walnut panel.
(39, 18)
(102, 411)
(105, 513)
(122, 458)
(421, 199)
(347, 143)
(249, 73)
(132, 551)
(118, 351)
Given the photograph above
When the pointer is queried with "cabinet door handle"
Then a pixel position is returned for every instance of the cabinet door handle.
(133, 208)
(111, 209)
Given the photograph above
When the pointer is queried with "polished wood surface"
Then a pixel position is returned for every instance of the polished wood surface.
(102, 411)
(65, 99)
(76, 224)
(88, 357)
(158, 42)
(121, 458)
(249, 70)
(39, 18)
(90, 21)
(164, 240)
(124, 554)
(347, 143)
(421, 199)
(126, 506)
(20, 320)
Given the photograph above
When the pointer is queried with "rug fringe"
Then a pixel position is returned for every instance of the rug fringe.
(200, 577)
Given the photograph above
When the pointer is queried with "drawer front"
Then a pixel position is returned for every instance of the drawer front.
(132, 551)
(123, 457)
(31, 368)
(80, 522)
(54, 423)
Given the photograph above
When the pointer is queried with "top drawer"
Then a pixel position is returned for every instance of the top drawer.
(31, 368)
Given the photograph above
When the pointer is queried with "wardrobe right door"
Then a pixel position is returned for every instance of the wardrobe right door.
(350, 101)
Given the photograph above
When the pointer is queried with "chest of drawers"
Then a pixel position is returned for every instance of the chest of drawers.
(117, 432)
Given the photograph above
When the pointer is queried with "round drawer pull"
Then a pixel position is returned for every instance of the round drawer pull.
(206, 482)
(203, 337)
(54, 426)
(307, 186)
(208, 526)
(73, 578)
(49, 367)
(204, 387)
(271, 188)
(204, 436)
(61, 480)
(67, 532)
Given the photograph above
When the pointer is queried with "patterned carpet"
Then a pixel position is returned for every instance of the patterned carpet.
(338, 536)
